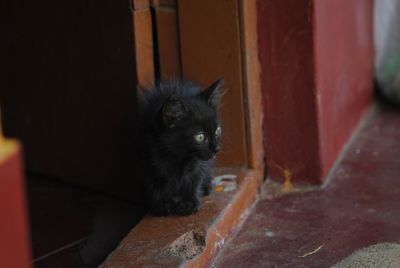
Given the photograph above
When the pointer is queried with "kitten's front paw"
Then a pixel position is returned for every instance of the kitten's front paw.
(206, 186)
(206, 190)
(163, 209)
(187, 207)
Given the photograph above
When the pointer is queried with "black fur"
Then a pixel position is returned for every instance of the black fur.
(173, 167)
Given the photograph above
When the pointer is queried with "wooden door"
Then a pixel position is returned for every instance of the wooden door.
(68, 88)
(204, 41)
(211, 46)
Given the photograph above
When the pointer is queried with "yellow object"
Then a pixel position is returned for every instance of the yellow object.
(7, 146)
(218, 188)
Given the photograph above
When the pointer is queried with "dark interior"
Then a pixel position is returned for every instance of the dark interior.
(68, 92)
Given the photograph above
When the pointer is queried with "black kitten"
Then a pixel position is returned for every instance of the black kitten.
(178, 136)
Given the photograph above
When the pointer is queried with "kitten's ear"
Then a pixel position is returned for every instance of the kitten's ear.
(212, 94)
(172, 111)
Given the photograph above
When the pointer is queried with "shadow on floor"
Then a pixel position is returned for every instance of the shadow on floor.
(73, 227)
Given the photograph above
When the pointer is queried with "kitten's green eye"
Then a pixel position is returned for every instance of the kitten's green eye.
(218, 131)
(200, 138)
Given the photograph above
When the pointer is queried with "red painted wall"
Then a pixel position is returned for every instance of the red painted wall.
(344, 69)
(286, 57)
(14, 241)
(316, 59)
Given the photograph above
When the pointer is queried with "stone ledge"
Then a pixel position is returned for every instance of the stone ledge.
(190, 241)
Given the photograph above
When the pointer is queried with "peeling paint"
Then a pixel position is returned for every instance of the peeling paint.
(274, 189)
(220, 244)
(269, 233)
(287, 185)
(188, 246)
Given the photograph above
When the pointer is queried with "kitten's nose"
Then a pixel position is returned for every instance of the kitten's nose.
(216, 150)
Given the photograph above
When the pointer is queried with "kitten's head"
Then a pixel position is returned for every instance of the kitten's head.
(191, 124)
